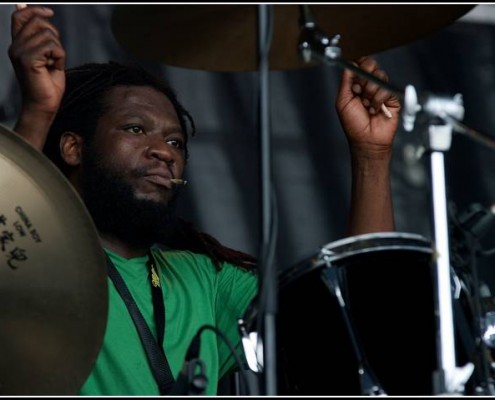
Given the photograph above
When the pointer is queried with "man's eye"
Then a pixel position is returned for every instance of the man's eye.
(135, 129)
(176, 143)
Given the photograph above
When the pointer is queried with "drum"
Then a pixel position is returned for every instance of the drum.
(357, 318)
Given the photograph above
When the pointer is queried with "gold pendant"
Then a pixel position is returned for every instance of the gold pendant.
(155, 279)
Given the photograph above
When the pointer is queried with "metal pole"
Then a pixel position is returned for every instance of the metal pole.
(439, 139)
(269, 278)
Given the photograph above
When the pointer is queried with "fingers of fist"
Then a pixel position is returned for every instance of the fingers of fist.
(372, 95)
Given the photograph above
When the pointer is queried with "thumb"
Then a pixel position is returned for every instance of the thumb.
(345, 93)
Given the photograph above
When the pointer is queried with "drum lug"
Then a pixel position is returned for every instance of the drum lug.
(253, 347)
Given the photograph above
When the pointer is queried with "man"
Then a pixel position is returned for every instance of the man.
(120, 136)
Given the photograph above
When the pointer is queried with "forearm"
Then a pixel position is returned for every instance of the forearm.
(34, 126)
(38, 59)
(371, 199)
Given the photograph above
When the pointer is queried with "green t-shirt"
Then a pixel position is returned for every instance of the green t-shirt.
(195, 294)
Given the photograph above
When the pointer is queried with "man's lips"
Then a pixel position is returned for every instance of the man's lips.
(159, 179)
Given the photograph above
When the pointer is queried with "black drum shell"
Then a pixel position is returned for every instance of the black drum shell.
(387, 284)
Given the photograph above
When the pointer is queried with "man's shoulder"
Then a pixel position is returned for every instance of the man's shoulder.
(189, 259)
(180, 256)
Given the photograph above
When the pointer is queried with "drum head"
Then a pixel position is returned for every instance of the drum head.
(386, 283)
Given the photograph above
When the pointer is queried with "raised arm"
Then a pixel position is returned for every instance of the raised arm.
(370, 132)
(38, 59)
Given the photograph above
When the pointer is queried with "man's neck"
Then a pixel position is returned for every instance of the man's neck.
(123, 248)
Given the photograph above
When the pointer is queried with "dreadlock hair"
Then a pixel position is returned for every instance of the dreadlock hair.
(187, 237)
(81, 107)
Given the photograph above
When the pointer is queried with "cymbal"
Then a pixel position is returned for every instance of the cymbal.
(53, 282)
(224, 37)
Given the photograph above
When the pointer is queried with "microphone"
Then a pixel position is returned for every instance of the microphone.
(467, 230)
(190, 382)
(477, 219)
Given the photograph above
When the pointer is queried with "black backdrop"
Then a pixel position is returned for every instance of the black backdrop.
(310, 158)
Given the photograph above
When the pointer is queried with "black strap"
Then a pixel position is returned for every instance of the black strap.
(157, 297)
(156, 355)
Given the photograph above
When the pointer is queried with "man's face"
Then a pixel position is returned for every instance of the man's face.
(139, 138)
(137, 148)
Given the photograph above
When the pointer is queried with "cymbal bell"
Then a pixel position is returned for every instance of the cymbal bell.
(53, 282)
(224, 37)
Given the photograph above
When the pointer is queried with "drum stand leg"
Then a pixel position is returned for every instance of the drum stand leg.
(368, 381)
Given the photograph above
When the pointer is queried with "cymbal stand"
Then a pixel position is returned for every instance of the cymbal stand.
(268, 283)
(448, 379)
(443, 113)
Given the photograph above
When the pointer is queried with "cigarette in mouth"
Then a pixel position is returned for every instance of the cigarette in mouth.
(178, 181)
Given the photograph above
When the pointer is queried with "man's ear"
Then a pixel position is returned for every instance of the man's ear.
(71, 148)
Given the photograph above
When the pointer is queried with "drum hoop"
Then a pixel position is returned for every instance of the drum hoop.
(326, 256)
(332, 257)
(377, 235)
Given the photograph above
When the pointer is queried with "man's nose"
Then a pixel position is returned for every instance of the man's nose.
(162, 151)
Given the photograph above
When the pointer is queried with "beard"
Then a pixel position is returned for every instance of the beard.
(116, 210)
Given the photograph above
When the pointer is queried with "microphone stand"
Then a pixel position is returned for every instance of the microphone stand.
(444, 113)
